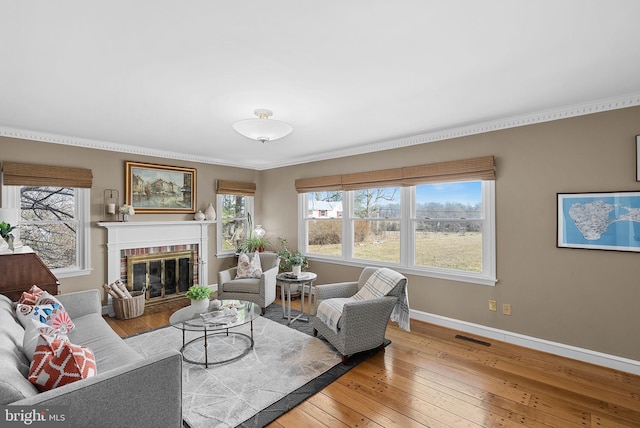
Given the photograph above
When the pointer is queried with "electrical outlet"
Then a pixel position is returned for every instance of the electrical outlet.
(506, 309)
(493, 306)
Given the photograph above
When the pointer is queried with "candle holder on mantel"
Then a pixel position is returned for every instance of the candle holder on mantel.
(111, 209)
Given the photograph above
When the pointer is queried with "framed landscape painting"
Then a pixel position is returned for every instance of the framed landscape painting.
(599, 221)
(157, 189)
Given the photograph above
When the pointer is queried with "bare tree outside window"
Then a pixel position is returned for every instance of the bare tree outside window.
(48, 224)
(234, 221)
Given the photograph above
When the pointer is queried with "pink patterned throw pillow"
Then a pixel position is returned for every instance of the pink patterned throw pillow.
(249, 268)
(31, 297)
(52, 315)
(33, 332)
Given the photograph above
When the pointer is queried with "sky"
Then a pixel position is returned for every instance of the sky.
(469, 192)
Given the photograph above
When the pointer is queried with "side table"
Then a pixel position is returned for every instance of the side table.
(286, 280)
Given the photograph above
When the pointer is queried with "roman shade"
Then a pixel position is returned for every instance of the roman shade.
(482, 168)
(24, 174)
(364, 180)
(333, 182)
(235, 188)
(458, 170)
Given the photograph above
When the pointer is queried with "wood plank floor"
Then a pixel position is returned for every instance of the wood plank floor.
(428, 378)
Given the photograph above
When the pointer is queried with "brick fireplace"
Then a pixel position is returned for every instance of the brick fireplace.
(165, 258)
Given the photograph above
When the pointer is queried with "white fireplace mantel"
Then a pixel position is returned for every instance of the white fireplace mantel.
(127, 235)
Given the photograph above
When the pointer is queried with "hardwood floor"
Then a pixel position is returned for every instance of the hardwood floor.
(428, 378)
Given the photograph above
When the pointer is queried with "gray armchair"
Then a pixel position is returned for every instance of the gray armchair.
(261, 291)
(363, 323)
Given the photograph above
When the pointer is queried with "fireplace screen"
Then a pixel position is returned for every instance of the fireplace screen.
(162, 275)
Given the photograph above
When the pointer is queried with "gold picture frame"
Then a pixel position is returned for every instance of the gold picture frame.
(160, 189)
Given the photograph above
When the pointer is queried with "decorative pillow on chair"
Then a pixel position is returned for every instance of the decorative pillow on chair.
(52, 315)
(31, 297)
(249, 268)
(57, 363)
(32, 334)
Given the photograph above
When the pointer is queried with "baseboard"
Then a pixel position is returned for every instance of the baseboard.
(561, 349)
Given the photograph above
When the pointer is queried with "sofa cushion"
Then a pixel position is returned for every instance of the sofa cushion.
(57, 362)
(14, 365)
(243, 285)
(110, 350)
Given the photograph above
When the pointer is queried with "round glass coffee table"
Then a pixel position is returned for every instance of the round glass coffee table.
(216, 324)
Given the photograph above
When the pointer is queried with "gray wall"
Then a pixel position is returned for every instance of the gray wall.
(584, 298)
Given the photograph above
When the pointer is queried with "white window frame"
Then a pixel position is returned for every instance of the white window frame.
(407, 250)
(248, 204)
(11, 199)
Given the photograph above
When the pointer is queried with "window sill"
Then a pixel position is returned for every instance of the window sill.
(471, 277)
(70, 273)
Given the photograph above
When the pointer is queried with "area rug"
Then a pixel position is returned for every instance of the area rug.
(232, 394)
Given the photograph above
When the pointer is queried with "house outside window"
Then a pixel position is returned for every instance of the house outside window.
(324, 229)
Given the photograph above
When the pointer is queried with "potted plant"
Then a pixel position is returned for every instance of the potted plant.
(289, 259)
(199, 295)
(5, 232)
(296, 260)
(253, 243)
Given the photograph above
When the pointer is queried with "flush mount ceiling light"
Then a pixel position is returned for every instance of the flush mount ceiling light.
(263, 129)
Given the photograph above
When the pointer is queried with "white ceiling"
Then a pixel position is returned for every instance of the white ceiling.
(170, 77)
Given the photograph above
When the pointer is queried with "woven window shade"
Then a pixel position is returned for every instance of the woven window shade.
(459, 170)
(365, 180)
(236, 188)
(24, 174)
(333, 182)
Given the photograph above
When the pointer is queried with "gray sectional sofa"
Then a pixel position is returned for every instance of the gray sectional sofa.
(127, 391)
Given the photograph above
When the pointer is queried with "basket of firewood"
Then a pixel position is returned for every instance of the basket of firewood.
(126, 304)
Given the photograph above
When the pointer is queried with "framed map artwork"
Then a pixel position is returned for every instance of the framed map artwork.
(599, 221)
(637, 157)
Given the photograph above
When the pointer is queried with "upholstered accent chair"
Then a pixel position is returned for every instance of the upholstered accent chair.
(261, 291)
(363, 323)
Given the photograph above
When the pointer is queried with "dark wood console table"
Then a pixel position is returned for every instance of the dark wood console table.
(22, 269)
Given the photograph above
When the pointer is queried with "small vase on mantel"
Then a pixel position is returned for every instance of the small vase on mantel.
(199, 216)
(210, 213)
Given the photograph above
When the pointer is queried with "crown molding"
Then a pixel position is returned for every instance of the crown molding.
(628, 100)
(104, 145)
(625, 101)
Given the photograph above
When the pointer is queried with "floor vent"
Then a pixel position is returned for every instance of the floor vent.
(471, 339)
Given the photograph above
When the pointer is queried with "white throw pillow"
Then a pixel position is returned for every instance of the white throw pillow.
(31, 333)
(249, 268)
(52, 314)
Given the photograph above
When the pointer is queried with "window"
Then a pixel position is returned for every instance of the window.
(375, 223)
(444, 230)
(54, 223)
(234, 212)
(448, 225)
(322, 214)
